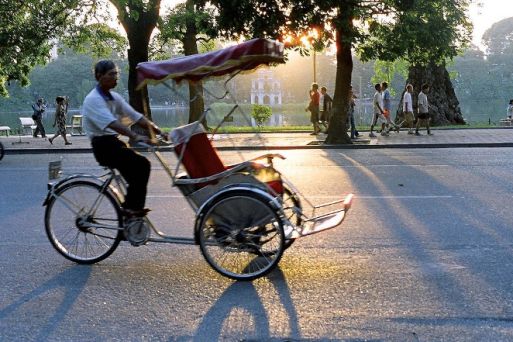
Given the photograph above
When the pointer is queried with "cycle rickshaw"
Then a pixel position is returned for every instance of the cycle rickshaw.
(246, 214)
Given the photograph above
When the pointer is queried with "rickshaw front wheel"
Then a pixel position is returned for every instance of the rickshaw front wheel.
(241, 235)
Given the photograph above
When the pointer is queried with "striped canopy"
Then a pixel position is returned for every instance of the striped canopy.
(245, 56)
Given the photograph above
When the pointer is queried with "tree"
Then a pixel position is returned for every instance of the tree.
(139, 19)
(28, 27)
(335, 21)
(190, 23)
(426, 36)
(498, 39)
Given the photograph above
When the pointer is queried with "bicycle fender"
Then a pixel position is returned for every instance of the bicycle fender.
(52, 187)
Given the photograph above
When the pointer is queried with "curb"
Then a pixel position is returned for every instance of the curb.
(279, 147)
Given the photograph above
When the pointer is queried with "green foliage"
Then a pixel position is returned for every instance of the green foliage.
(429, 31)
(386, 71)
(498, 39)
(261, 113)
(96, 39)
(26, 32)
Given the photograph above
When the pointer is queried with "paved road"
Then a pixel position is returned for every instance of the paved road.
(425, 254)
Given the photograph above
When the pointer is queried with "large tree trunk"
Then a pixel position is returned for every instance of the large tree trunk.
(196, 102)
(444, 106)
(139, 21)
(337, 131)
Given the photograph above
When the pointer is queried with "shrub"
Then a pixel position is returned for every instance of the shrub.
(261, 113)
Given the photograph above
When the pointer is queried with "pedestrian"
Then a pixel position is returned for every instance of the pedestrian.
(378, 112)
(350, 113)
(408, 108)
(313, 107)
(423, 110)
(60, 119)
(510, 110)
(103, 111)
(39, 108)
(326, 104)
(387, 107)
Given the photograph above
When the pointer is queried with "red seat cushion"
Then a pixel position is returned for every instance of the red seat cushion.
(200, 158)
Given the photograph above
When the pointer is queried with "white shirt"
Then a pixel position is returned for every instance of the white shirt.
(100, 110)
(423, 103)
(407, 104)
(321, 102)
(378, 101)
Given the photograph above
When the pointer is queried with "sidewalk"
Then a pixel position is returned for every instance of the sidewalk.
(442, 138)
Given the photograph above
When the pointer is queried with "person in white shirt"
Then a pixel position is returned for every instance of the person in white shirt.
(423, 110)
(103, 112)
(378, 113)
(408, 108)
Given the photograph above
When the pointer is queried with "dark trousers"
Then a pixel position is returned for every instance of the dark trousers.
(111, 152)
(39, 127)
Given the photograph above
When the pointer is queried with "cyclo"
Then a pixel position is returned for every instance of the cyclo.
(246, 214)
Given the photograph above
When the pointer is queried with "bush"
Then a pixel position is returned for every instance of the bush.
(261, 113)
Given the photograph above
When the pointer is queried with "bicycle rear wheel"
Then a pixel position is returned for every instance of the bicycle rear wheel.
(82, 223)
(241, 236)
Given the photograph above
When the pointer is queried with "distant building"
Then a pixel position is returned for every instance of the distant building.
(265, 89)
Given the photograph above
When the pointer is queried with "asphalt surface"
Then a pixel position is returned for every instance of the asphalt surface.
(425, 254)
(442, 138)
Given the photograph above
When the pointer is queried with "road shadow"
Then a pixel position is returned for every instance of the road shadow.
(243, 296)
(72, 281)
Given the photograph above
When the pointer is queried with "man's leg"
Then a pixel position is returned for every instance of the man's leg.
(135, 168)
(38, 128)
(374, 121)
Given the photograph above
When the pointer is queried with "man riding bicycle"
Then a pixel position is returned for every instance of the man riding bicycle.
(103, 111)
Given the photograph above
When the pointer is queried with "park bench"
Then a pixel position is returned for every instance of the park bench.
(76, 125)
(5, 130)
(27, 125)
(505, 122)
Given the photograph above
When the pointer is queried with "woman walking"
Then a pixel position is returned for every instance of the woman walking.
(60, 120)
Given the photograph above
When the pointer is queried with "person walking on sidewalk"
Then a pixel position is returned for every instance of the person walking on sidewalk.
(39, 108)
(378, 113)
(423, 110)
(60, 120)
(387, 107)
(103, 111)
(313, 107)
(408, 108)
(350, 113)
(326, 103)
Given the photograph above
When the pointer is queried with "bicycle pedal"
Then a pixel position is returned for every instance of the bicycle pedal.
(137, 231)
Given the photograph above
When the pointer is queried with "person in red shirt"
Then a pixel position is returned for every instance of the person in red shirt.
(313, 107)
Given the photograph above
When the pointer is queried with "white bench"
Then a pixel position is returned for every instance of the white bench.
(76, 125)
(27, 124)
(5, 130)
(505, 122)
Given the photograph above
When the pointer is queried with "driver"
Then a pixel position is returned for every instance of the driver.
(103, 111)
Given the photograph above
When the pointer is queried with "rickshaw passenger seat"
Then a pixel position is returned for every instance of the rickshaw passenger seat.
(200, 158)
